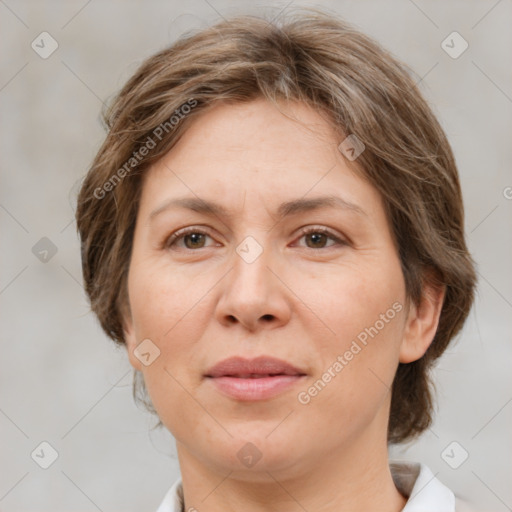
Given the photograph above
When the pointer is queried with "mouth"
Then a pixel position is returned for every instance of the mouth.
(253, 375)
(254, 379)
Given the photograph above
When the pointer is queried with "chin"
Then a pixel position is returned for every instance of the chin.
(255, 453)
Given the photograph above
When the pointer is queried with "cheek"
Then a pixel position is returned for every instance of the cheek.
(353, 386)
(353, 298)
(161, 300)
(174, 402)
(363, 308)
(167, 309)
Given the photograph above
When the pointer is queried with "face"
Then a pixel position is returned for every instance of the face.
(271, 269)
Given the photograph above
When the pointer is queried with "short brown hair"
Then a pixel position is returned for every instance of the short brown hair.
(362, 90)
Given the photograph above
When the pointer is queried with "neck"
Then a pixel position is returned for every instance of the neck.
(346, 479)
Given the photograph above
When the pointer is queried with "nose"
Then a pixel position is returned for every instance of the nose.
(253, 295)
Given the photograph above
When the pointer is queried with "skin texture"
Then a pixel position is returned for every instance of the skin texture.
(305, 299)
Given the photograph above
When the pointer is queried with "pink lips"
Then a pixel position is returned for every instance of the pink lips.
(253, 379)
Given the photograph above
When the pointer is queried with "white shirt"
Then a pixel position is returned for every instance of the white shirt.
(424, 491)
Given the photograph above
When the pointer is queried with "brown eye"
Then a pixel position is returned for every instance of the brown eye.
(188, 239)
(318, 238)
(196, 240)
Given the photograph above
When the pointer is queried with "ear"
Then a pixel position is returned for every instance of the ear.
(130, 340)
(422, 321)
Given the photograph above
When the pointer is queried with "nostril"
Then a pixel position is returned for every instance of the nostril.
(268, 317)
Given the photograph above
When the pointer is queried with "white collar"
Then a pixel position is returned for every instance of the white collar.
(424, 491)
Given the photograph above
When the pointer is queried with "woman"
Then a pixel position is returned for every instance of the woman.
(274, 229)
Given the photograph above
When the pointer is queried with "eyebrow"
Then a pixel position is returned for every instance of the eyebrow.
(287, 208)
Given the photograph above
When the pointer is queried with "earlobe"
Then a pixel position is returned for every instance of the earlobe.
(422, 321)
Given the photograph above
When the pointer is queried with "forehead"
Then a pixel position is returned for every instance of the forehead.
(259, 132)
(253, 152)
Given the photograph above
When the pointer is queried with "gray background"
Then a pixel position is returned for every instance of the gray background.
(64, 382)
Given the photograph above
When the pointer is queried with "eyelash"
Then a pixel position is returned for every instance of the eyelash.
(180, 235)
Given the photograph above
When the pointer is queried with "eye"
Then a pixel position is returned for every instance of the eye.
(318, 237)
(192, 238)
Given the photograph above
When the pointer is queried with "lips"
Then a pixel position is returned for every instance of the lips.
(253, 379)
(260, 367)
